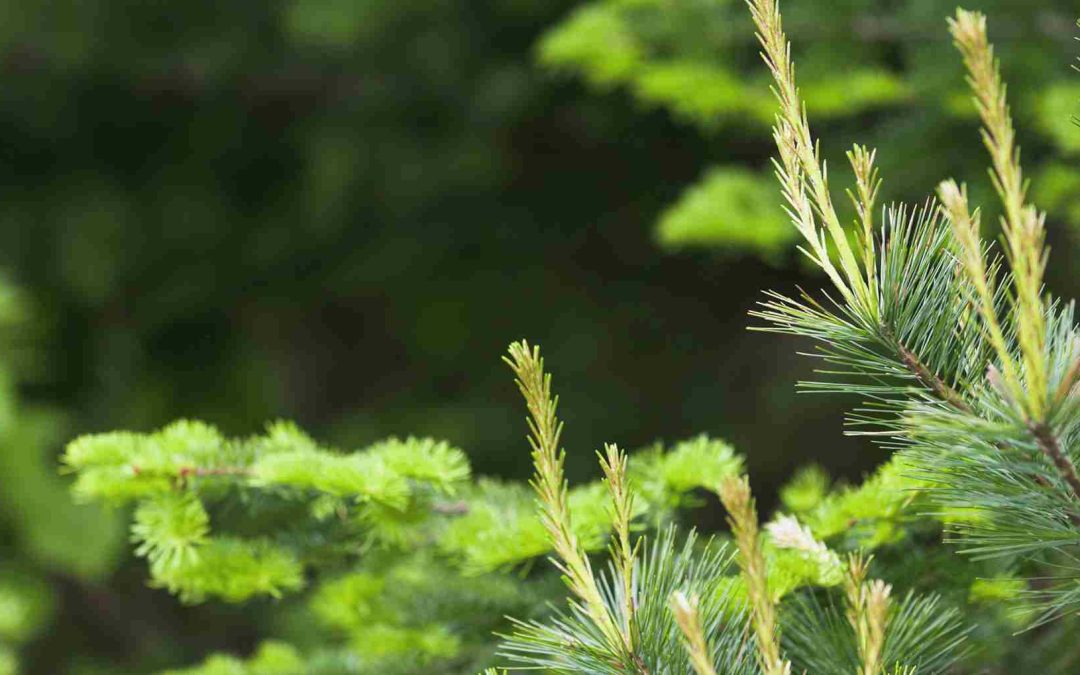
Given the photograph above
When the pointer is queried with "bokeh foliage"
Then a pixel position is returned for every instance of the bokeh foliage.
(883, 73)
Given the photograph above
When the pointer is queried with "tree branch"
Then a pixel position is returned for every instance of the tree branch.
(930, 380)
(924, 375)
(1051, 447)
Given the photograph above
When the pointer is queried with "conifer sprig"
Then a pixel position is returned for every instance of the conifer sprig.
(867, 612)
(869, 304)
(742, 518)
(614, 463)
(550, 485)
(1025, 239)
(1022, 224)
(867, 186)
(801, 170)
(570, 642)
(965, 227)
(689, 621)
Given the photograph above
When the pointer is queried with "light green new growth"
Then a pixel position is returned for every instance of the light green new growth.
(687, 596)
(867, 612)
(623, 552)
(689, 620)
(742, 517)
(1022, 224)
(271, 658)
(551, 489)
(498, 526)
(802, 173)
(176, 474)
(404, 500)
(983, 412)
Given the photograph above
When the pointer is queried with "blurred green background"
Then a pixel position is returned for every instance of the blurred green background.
(341, 212)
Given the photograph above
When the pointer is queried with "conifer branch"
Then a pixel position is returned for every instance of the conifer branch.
(550, 485)
(867, 612)
(965, 227)
(1022, 224)
(614, 464)
(1051, 447)
(801, 170)
(742, 517)
(969, 31)
(926, 377)
(689, 622)
(867, 186)
(1025, 240)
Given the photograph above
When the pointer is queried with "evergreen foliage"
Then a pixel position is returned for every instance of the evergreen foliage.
(969, 369)
(372, 531)
(970, 373)
(629, 619)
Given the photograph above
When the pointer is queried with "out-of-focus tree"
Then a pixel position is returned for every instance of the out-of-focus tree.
(46, 541)
(879, 72)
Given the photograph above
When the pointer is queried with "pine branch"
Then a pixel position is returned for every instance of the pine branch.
(867, 612)
(689, 621)
(801, 170)
(571, 643)
(990, 424)
(622, 506)
(1024, 235)
(925, 376)
(913, 336)
(965, 226)
(1051, 447)
(798, 168)
(1022, 224)
(550, 485)
(742, 517)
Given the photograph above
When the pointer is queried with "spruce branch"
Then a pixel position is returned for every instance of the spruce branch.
(689, 622)
(742, 518)
(550, 485)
